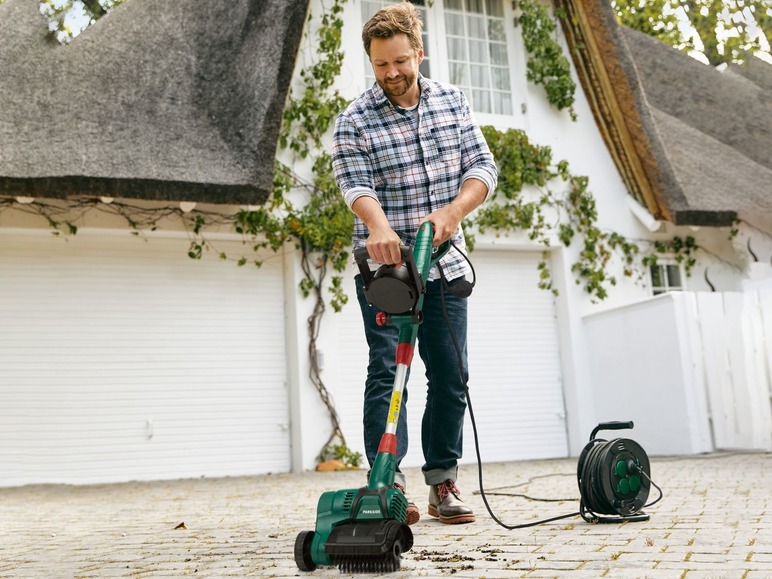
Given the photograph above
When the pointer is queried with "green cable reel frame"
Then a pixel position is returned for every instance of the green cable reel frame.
(614, 478)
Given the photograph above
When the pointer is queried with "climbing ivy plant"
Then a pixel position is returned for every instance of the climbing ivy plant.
(323, 226)
(570, 205)
(547, 65)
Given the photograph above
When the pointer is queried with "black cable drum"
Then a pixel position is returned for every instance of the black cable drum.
(614, 479)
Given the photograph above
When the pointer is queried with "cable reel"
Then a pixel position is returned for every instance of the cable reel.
(613, 477)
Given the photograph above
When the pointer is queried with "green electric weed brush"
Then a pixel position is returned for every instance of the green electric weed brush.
(363, 530)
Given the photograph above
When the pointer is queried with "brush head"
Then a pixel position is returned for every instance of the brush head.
(369, 547)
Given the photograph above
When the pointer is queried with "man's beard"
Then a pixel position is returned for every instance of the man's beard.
(398, 89)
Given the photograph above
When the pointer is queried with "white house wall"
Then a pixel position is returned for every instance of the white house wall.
(642, 364)
(690, 368)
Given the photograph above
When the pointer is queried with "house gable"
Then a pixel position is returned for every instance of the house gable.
(696, 152)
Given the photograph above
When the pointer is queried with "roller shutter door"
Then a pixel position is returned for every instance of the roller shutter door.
(123, 359)
(514, 358)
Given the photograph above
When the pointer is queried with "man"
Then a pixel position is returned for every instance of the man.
(405, 152)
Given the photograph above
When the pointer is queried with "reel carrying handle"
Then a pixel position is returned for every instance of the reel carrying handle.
(613, 425)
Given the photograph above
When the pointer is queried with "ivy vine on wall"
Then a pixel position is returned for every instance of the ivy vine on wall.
(546, 65)
(569, 205)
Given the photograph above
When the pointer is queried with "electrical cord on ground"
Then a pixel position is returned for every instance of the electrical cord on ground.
(456, 346)
(592, 500)
(498, 491)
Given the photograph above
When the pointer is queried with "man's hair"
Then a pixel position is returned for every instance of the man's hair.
(395, 19)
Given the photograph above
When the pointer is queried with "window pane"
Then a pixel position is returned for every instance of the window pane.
(478, 51)
(459, 73)
(656, 277)
(468, 95)
(476, 26)
(498, 54)
(454, 24)
(482, 101)
(502, 103)
(368, 9)
(480, 77)
(456, 49)
(674, 276)
(496, 30)
(500, 78)
(495, 8)
(475, 6)
(481, 26)
(423, 68)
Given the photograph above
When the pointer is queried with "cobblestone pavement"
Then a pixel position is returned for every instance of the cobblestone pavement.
(715, 520)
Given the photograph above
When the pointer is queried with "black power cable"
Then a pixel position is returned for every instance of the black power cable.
(593, 480)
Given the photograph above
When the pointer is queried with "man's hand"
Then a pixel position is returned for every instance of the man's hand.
(447, 219)
(383, 246)
(383, 243)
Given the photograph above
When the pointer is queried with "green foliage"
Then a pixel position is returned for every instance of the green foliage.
(68, 18)
(682, 250)
(727, 29)
(547, 65)
(307, 118)
(522, 163)
(653, 17)
(324, 225)
(342, 453)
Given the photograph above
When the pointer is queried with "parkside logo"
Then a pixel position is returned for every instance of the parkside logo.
(371, 512)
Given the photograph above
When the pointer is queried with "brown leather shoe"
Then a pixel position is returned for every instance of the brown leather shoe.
(445, 503)
(413, 514)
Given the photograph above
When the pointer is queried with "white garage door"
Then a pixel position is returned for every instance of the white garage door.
(514, 359)
(123, 359)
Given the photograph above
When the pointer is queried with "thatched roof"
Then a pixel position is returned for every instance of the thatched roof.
(176, 101)
(692, 143)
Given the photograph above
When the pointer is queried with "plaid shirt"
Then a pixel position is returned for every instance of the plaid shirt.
(412, 163)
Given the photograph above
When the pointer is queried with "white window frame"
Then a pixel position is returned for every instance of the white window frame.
(664, 265)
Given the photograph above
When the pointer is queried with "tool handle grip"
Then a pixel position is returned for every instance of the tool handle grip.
(362, 254)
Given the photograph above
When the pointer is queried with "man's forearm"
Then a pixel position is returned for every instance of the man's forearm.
(472, 194)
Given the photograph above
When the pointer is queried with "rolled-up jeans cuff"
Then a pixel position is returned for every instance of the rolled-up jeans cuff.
(440, 475)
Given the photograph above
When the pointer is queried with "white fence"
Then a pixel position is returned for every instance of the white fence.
(693, 370)
(735, 331)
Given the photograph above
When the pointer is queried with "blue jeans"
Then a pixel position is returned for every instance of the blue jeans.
(443, 419)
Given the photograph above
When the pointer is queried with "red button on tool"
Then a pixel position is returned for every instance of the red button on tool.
(380, 319)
